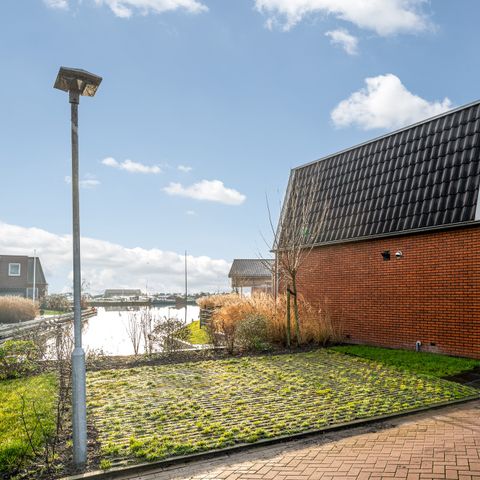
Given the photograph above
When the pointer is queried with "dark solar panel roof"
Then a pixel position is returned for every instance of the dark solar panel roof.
(423, 176)
(244, 267)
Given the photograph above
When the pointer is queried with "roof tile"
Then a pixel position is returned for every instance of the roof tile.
(426, 175)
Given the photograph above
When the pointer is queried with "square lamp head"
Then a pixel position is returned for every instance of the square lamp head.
(77, 80)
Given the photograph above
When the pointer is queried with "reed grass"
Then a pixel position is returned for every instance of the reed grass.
(17, 309)
(315, 324)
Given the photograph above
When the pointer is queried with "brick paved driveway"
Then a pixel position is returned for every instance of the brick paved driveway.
(442, 444)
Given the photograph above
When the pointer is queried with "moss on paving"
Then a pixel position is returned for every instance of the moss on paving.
(419, 362)
(154, 412)
(39, 394)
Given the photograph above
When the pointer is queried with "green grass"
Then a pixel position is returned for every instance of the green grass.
(154, 412)
(53, 312)
(198, 336)
(419, 362)
(39, 393)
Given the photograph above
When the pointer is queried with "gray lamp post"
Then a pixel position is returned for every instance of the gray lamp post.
(77, 82)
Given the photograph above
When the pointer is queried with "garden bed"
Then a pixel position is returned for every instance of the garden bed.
(154, 412)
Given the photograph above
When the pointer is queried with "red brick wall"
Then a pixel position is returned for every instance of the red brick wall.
(431, 294)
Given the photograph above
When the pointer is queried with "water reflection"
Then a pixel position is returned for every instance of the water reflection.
(107, 331)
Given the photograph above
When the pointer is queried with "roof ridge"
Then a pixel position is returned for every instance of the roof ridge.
(256, 259)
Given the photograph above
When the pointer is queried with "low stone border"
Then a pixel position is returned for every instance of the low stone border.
(116, 473)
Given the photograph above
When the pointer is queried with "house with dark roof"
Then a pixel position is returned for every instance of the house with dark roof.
(396, 262)
(251, 273)
(18, 274)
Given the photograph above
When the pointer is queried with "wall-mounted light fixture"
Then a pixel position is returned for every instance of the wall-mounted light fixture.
(399, 254)
(386, 255)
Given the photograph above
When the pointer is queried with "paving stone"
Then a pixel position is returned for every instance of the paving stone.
(359, 454)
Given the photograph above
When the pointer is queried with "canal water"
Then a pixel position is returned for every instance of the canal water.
(108, 330)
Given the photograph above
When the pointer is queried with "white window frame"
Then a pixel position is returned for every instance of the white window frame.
(10, 274)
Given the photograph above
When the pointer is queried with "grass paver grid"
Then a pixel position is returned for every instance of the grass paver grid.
(152, 413)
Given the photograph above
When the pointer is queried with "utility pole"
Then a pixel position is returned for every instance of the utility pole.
(186, 287)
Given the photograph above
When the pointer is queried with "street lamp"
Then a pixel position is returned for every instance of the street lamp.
(77, 82)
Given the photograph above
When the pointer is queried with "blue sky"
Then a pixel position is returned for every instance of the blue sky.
(234, 92)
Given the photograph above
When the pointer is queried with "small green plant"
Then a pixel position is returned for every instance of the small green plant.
(105, 464)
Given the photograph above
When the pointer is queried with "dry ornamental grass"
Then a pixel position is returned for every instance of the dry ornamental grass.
(17, 309)
(231, 310)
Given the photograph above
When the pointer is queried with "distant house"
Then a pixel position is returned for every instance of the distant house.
(251, 273)
(122, 292)
(16, 276)
(398, 258)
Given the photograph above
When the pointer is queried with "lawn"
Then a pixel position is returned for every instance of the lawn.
(198, 336)
(418, 362)
(153, 412)
(39, 393)
(53, 312)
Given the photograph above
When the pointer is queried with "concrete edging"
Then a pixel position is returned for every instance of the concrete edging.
(195, 457)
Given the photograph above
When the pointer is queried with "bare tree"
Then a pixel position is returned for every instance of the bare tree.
(147, 322)
(134, 332)
(299, 227)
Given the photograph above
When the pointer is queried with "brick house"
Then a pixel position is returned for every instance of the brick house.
(397, 260)
(16, 276)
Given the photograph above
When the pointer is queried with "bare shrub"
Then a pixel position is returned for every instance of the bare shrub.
(57, 302)
(147, 324)
(37, 425)
(17, 359)
(169, 333)
(315, 326)
(94, 357)
(17, 309)
(134, 332)
(252, 333)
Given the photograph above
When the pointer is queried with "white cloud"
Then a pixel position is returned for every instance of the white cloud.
(185, 168)
(109, 265)
(344, 39)
(90, 181)
(212, 190)
(131, 166)
(385, 17)
(385, 103)
(126, 8)
(59, 4)
(190, 212)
